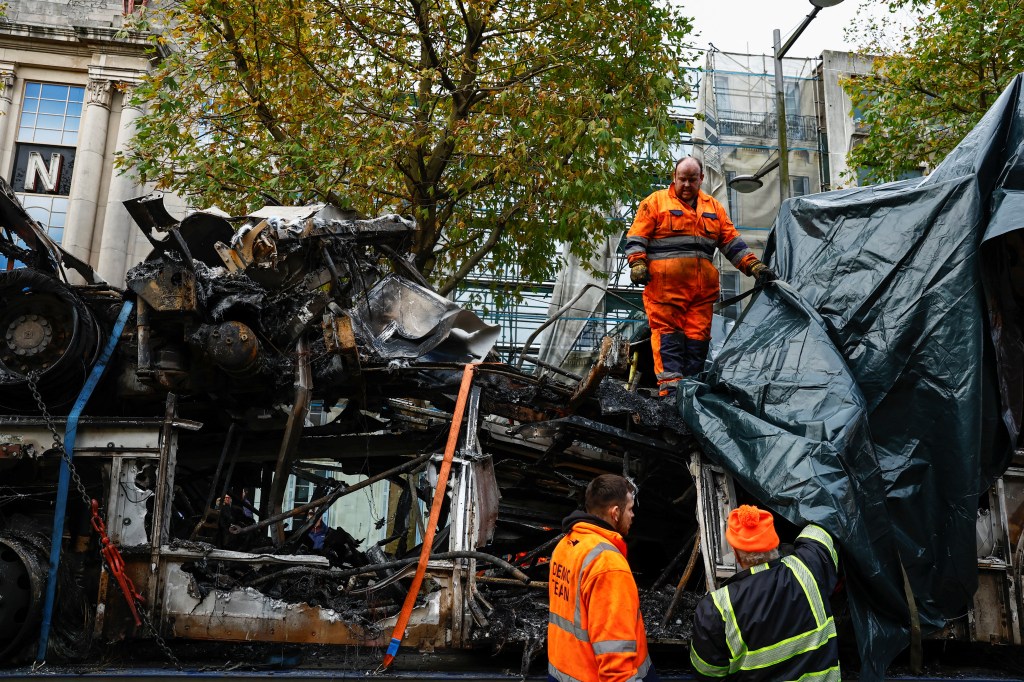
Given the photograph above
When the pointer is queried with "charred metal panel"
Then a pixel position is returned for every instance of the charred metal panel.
(169, 288)
(401, 319)
(132, 483)
(716, 497)
(613, 360)
(252, 246)
(488, 497)
(95, 434)
(249, 615)
(994, 613)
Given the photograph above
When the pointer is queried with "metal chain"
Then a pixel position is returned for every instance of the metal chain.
(158, 639)
(58, 442)
(58, 445)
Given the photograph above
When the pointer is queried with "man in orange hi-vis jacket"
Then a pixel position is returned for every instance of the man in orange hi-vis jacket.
(670, 247)
(595, 631)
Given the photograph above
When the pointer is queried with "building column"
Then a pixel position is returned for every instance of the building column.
(85, 183)
(117, 238)
(8, 79)
(6, 98)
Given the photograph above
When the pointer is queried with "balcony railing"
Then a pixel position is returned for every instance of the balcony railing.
(746, 124)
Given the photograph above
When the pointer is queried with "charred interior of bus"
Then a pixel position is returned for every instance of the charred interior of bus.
(261, 415)
(291, 350)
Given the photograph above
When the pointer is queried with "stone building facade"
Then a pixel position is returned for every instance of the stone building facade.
(839, 118)
(67, 69)
(736, 132)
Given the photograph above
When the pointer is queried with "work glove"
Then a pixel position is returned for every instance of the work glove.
(762, 273)
(638, 273)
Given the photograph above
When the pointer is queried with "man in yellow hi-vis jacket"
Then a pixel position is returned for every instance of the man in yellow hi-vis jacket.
(595, 631)
(772, 620)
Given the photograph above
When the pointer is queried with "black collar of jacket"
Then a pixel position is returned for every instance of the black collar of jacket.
(746, 572)
(577, 516)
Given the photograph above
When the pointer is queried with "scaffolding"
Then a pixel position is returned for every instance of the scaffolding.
(737, 131)
(616, 307)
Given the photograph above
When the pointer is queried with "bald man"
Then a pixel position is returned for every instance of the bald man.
(670, 249)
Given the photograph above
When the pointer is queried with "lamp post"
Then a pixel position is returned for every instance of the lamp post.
(779, 51)
(750, 183)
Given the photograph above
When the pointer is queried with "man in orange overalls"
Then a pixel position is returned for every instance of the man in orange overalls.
(595, 631)
(670, 247)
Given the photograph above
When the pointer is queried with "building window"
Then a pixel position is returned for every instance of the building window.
(792, 99)
(910, 174)
(304, 489)
(799, 185)
(51, 114)
(729, 282)
(734, 199)
(722, 100)
(49, 211)
(51, 214)
(300, 491)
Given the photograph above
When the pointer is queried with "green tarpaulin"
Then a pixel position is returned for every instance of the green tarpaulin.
(877, 392)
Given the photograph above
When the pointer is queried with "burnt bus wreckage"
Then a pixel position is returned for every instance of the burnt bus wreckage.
(877, 390)
(193, 387)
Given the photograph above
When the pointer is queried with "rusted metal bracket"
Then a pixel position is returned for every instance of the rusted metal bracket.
(613, 359)
(292, 432)
(340, 338)
(255, 247)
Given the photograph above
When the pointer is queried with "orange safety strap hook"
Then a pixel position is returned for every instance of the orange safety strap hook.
(435, 512)
(115, 563)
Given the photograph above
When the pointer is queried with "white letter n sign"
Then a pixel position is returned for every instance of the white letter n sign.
(36, 172)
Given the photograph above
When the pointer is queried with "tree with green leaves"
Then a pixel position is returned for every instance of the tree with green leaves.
(941, 64)
(504, 127)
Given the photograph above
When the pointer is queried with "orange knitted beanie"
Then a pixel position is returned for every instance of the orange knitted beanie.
(751, 529)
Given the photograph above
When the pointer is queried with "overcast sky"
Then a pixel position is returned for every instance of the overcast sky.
(746, 25)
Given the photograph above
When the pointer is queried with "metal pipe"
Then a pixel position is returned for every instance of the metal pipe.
(216, 477)
(534, 360)
(292, 432)
(491, 580)
(145, 353)
(536, 552)
(231, 466)
(780, 115)
(332, 268)
(663, 578)
(333, 496)
(162, 508)
(558, 313)
(772, 165)
(780, 50)
(521, 577)
(396, 259)
(682, 582)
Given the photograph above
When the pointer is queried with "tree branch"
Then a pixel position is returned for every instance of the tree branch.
(354, 27)
(428, 45)
(471, 262)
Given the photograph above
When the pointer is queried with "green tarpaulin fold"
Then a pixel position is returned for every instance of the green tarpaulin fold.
(878, 391)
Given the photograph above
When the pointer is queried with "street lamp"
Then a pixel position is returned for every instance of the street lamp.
(780, 50)
(751, 183)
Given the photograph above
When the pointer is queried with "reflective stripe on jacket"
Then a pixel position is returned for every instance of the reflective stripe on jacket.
(595, 630)
(666, 227)
(773, 621)
(678, 243)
